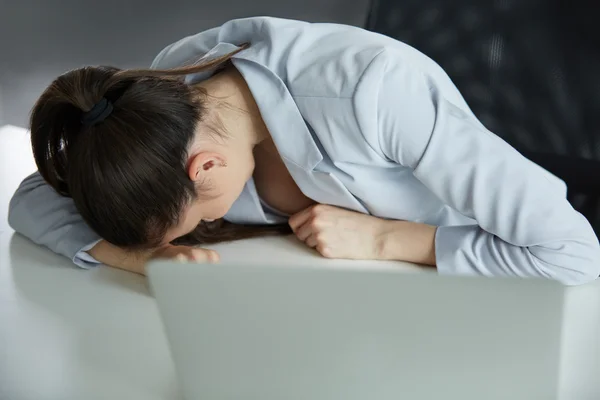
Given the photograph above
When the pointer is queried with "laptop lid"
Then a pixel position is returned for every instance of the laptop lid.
(273, 333)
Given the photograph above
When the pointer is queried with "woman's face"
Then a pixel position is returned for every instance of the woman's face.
(220, 172)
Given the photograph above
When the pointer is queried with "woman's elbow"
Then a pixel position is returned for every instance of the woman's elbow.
(581, 274)
(570, 262)
(20, 208)
(15, 220)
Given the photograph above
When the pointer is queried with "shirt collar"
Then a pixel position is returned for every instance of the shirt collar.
(277, 106)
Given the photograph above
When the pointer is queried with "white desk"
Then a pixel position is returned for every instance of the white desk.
(67, 333)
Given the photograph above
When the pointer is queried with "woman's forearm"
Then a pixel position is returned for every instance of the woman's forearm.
(135, 261)
(117, 257)
(408, 241)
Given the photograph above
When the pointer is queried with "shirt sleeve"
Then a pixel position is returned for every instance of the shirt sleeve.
(39, 213)
(526, 226)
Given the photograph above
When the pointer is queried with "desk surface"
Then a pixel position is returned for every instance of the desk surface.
(67, 333)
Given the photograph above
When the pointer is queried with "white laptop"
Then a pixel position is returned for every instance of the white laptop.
(305, 333)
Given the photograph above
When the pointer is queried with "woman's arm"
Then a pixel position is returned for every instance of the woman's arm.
(526, 226)
(39, 213)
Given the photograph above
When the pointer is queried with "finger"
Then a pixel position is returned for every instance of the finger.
(181, 258)
(311, 241)
(203, 255)
(324, 251)
(304, 231)
(213, 256)
(299, 219)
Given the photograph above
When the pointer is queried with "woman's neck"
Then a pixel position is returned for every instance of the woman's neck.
(235, 105)
(241, 116)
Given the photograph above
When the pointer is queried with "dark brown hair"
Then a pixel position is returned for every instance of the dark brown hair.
(127, 174)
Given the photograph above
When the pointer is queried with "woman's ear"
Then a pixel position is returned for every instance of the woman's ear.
(202, 164)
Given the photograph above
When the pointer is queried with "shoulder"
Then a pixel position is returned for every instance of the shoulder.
(256, 30)
(396, 102)
(321, 59)
(313, 59)
(190, 48)
(338, 88)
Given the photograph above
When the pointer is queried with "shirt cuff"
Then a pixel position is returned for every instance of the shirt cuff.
(83, 259)
(450, 255)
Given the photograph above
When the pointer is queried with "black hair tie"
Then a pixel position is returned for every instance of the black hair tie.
(98, 113)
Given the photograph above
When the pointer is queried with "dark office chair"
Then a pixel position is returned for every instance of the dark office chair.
(529, 69)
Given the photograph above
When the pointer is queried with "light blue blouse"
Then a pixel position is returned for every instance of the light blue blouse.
(370, 124)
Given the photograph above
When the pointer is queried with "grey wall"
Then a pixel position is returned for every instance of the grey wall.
(40, 39)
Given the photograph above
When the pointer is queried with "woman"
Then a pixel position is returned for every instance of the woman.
(362, 140)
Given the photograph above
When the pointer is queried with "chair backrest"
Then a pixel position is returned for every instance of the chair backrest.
(529, 69)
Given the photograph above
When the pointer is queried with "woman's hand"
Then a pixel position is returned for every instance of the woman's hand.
(338, 233)
(186, 254)
(135, 261)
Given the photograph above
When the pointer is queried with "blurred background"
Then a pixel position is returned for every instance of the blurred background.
(40, 39)
(529, 69)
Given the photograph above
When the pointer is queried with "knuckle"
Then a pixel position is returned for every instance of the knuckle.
(325, 251)
(320, 238)
(318, 209)
(315, 223)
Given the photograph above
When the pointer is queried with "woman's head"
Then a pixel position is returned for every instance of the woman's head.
(153, 168)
